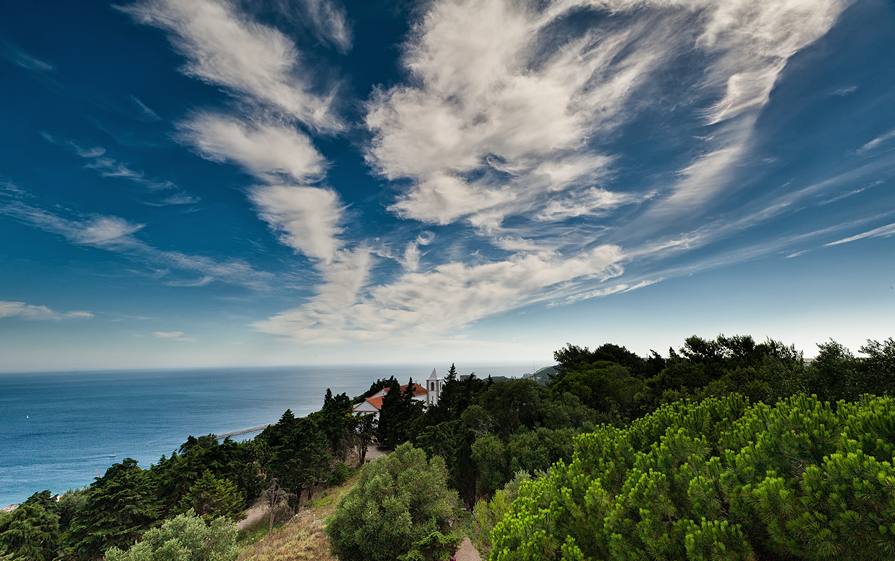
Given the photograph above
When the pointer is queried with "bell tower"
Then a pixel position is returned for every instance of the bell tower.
(433, 388)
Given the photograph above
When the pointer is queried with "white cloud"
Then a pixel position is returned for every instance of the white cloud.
(227, 49)
(328, 20)
(517, 244)
(146, 111)
(110, 167)
(602, 292)
(26, 311)
(877, 141)
(263, 67)
(173, 336)
(581, 203)
(306, 217)
(881, 232)
(411, 260)
(107, 232)
(102, 231)
(501, 91)
(494, 100)
(24, 59)
(702, 180)
(176, 199)
(112, 233)
(449, 296)
(263, 149)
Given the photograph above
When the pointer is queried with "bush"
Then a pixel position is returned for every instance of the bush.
(398, 503)
(184, 538)
(718, 480)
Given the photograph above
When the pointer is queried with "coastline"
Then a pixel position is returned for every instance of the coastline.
(61, 429)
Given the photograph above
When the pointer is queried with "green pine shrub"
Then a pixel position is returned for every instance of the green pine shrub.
(717, 479)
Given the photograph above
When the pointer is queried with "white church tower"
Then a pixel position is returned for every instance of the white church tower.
(433, 388)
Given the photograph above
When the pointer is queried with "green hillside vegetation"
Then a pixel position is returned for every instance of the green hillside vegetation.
(399, 508)
(717, 479)
(715, 450)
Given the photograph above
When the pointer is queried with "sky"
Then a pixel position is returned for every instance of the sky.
(268, 182)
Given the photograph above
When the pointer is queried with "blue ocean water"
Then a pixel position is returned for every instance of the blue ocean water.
(58, 431)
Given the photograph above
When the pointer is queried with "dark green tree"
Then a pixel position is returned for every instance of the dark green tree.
(211, 498)
(878, 369)
(398, 415)
(300, 457)
(119, 507)
(336, 420)
(32, 530)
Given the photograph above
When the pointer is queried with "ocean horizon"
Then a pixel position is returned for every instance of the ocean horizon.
(60, 430)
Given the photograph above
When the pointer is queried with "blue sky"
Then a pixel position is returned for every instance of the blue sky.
(204, 182)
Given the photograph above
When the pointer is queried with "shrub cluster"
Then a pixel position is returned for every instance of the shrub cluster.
(718, 479)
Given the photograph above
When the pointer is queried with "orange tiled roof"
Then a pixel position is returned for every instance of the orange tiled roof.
(376, 402)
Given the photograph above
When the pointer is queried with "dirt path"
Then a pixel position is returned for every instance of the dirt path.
(253, 514)
(373, 453)
(467, 552)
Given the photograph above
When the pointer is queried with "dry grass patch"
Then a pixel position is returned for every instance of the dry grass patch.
(303, 536)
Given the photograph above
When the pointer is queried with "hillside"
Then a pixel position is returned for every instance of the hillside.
(301, 538)
(542, 375)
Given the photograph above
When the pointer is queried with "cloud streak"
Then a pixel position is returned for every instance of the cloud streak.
(115, 234)
(173, 336)
(20, 57)
(226, 48)
(881, 232)
(877, 141)
(109, 167)
(452, 295)
(22, 310)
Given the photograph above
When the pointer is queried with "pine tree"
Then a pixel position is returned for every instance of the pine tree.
(32, 530)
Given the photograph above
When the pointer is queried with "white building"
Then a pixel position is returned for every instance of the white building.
(428, 394)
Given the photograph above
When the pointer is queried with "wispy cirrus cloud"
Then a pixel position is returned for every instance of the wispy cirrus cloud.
(421, 304)
(264, 69)
(173, 336)
(109, 167)
(147, 113)
(116, 234)
(307, 218)
(492, 106)
(877, 141)
(506, 123)
(501, 118)
(603, 292)
(227, 48)
(881, 232)
(327, 20)
(26, 311)
(22, 58)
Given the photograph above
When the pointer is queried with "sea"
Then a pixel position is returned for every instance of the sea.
(61, 430)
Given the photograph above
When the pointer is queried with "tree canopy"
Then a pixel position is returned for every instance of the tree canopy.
(397, 504)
